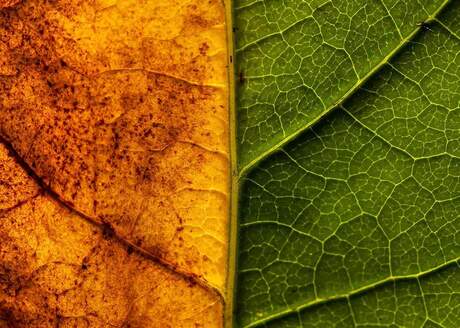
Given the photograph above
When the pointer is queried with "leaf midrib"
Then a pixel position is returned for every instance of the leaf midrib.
(304, 306)
(243, 171)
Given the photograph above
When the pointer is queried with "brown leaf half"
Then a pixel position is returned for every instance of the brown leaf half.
(119, 111)
(57, 270)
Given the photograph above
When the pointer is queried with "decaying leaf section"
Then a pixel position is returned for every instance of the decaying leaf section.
(119, 109)
(57, 270)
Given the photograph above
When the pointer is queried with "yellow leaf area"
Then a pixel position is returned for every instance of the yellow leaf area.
(114, 163)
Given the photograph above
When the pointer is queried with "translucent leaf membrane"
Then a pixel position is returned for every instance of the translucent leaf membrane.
(58, 270)
(118, 112)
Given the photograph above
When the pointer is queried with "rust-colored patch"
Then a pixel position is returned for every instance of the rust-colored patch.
(57, 270)
(8, 3)
(120, 110)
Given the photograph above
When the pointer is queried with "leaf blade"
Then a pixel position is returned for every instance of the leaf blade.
(245, 65)
(356, 198)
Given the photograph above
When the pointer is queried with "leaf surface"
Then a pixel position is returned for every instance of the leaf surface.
(117, 111)
(115, 170)
(349, 217)
(58, 270)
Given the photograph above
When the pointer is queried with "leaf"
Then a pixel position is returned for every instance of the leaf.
(349, 135)
(115, 175)
(116, 112)
(58, 270)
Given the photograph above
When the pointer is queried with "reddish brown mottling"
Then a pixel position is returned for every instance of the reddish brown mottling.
(57, 270)
(119, 109)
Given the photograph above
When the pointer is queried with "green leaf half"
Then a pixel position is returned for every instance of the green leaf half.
(350, 217)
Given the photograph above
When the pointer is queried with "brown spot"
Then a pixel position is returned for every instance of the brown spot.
(241, 77)
(204, 48)
(107, 230)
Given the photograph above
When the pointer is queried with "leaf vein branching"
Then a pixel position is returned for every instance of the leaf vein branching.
(447, 29)
(159, 73)
(45, 188)
(7, 210)
(392, 19)
(415, 158)
(302, 307)
(244, 170)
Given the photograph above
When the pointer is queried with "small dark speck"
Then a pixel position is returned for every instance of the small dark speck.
(241, 77)
(107, 230)
(425, 26)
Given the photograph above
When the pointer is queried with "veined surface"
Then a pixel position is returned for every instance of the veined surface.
(120, 111)
(350, 217)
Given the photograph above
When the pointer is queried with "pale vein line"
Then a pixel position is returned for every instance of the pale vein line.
(302, 307)
(247, 167)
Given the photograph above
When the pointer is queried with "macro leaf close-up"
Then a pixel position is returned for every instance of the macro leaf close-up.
(229, 164)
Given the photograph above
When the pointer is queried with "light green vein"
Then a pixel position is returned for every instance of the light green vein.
(302, 307)
(246, 168)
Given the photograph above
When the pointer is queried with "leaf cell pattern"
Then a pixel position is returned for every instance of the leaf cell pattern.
(352, 221)
(114, 163)
(300, 59)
